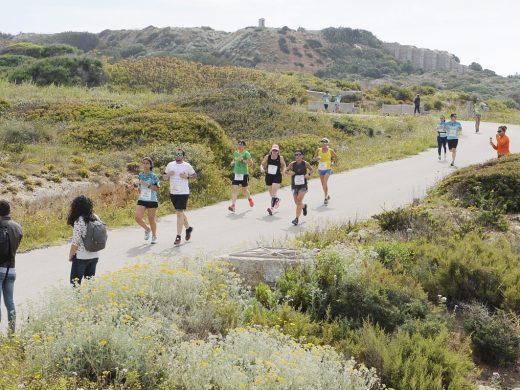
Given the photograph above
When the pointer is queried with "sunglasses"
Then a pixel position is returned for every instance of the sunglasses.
(298, 154)
(179, 154)
(500, 131)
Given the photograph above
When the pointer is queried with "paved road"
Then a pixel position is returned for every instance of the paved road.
(356, 195)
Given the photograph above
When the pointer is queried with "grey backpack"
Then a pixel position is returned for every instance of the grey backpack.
(96, 237)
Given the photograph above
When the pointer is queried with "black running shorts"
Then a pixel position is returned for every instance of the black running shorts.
(180, 202)
(452, 143)
(243, 183)
(270, 179)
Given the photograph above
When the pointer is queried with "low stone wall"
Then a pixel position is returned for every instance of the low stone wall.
(399, 109)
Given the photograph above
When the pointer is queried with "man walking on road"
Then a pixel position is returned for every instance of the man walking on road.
(417, 104)
(241, 162)
(273, 165)
(180, 172)
(453, 129)
(10, 238)
(502, 146)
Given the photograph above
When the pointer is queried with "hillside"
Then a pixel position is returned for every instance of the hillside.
(336, 52)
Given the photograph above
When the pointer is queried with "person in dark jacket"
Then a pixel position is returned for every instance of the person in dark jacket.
(7, 261)
(417, 104)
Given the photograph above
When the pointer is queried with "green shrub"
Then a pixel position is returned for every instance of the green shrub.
(57, 50)
(150, 127)
(408, 219)
(13, 60)
(265, 295)
(412, 361)
(345, 283)
(495, 183)
(494, 337)
(61, 70)
(134, 50)
(16, 132)
(247, 111)
(469, 269)
(73, 112)
(23, 49)
(395, 255)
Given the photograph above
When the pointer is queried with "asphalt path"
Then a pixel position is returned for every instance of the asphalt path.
(355, 195)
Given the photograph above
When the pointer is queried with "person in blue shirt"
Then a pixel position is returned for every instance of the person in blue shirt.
(148, 187)
(442, 136)
(337, 102)
(453, 129)
(326, 101)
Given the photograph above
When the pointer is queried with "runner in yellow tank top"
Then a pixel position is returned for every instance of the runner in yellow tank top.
(326, 158)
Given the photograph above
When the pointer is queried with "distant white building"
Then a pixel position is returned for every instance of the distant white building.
(261, 23)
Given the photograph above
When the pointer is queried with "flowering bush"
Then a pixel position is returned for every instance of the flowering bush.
(125, 324)
(264, 359)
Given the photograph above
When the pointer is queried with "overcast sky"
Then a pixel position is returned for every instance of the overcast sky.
(487, 32)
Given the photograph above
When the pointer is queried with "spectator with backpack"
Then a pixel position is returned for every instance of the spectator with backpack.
(10, 238)
(89, 236)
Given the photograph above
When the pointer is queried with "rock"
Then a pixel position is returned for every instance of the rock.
(265, 265)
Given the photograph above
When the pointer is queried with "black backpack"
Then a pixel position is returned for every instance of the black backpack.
(5, 244)
(96, 237)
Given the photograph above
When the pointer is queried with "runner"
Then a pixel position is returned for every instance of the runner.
(337, 101)
(180, 172)
(502, 146)
(453, 129)
(326, 158)
(441, 136)
(326, 101)
(273, 165)
(241, 162)
(477, 107)
(301, 171)
(148, 187)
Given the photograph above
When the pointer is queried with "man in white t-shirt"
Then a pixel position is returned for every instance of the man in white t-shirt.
(180, 172)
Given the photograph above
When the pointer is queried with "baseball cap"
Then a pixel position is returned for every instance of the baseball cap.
(275, 147)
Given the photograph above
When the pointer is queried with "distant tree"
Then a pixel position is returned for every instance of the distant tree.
(457, 59)
(82, 40)
(63, 70)
(5, 36)
(133, 50)
(301, 29)
(475, 66)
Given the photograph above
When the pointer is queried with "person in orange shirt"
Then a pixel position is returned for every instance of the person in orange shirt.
(502, 146)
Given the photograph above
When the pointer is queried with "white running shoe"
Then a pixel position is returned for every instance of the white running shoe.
(146, 235)
(154, 240)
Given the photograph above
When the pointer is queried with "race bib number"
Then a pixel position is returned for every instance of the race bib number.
(322, 166)
(299, 180)
(272, 169)
(239, 176)
(146, 194)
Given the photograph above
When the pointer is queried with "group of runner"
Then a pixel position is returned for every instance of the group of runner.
(448, 135)
(179, 173)
(274, 167)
